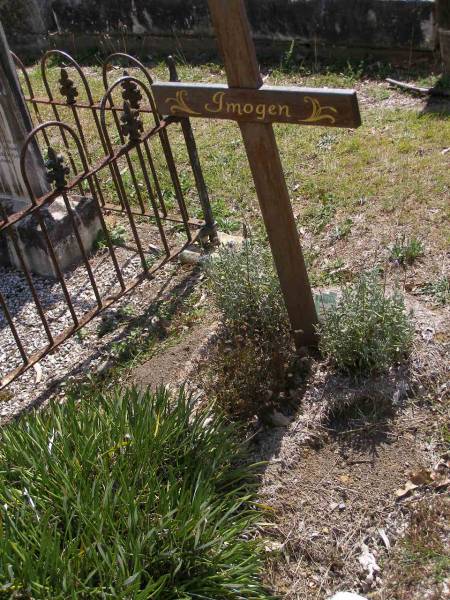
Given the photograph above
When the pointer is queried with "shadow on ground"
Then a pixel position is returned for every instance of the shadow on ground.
(165, 304)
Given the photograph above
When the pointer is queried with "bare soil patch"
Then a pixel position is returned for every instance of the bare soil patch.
(332, 475)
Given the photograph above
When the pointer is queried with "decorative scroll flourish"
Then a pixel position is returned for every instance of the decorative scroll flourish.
(319, 112)
(179, 103)
(57, 171)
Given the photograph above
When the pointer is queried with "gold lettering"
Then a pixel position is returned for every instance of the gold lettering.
(218, 103)
(248, 109)
(261, 111)
(234, 107)
(284, 109)
(272, 110)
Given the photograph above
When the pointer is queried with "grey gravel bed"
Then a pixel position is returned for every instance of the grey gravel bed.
(80, 353)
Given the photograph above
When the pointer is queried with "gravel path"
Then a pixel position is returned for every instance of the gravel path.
(83, 351)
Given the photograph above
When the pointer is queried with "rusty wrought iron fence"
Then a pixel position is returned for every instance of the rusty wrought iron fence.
(114, 152)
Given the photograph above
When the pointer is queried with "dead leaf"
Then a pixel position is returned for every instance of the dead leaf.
(440, 484)
(345, 479)
(273, 546)
(385, 538)
(403, 492)
(368, 562)
(421, 477)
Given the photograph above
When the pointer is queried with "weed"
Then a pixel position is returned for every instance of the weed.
(406, 250)
(319, 214)
(82, 334)
(5, 396)
(334, 272)
(327, 141)
(287, 61)
(439, 290)
(117, 234)
(112, 319)
(130, 495)
(128, 347)
(368, 331)
(343, 229)
(126, 312)
(228, 224)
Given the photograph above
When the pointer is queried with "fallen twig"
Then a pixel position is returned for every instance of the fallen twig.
(430, 91)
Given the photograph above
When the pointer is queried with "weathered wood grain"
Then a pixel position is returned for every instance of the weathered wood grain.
(233, 32)
(235, 42)
(300, 106)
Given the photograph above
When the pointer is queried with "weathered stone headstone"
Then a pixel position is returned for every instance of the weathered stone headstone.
(15, 125)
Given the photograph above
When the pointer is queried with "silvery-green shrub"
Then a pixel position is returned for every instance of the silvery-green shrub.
(369, 330)
(246, 290)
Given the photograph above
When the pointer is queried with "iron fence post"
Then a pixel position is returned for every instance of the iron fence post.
(210, 222)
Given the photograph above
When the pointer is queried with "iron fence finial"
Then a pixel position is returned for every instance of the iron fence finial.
(56, 169)
(132, 125)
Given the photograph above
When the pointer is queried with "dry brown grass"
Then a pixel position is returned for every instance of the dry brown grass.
(420, 564)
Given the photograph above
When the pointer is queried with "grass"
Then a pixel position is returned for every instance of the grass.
(128, 496)
(421, 560)
(389, 172)
(368, 331)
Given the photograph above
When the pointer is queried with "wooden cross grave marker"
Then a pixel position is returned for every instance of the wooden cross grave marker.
(255, 107)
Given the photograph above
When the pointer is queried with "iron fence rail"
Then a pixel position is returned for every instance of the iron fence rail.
(126, 138)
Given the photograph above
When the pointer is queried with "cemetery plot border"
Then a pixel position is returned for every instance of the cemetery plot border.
(122, 189)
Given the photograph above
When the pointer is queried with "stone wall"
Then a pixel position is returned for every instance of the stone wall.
(163, 25)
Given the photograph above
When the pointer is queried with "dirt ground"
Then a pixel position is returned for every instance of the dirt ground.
(333, 475)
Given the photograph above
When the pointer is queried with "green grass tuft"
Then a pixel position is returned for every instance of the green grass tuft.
(405, 251)
(130, 496)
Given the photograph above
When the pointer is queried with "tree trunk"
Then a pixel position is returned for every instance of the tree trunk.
(443, 23)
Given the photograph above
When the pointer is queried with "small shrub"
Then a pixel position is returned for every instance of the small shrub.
(368, 331)
(249, 370)
(406, 251)
(131, 495)
(246, 289)
(439, 290)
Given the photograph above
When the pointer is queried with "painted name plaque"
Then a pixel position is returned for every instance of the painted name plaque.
(302, 106)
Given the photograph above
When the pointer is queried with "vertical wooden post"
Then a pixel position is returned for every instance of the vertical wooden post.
(236, 45)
